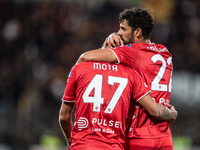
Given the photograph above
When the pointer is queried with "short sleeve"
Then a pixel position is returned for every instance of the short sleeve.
(70, 89)
(126, 55)
(140, 87)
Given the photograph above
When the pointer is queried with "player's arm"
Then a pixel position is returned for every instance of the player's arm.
(157, 110)
(105, 55)
(65, 120)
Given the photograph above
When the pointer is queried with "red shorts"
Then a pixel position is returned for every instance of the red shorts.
(162, 143)
(92, 147)
(95, 145)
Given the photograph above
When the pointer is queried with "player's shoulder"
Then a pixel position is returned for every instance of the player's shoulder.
(154, 47)
(127, 46)
(163, 49)
(133, 74)
(82, 64)
(130, 70)
(160, 46)
(134, 45)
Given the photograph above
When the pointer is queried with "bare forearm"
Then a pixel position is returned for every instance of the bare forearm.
(105, 55)
(65, 120)
(165, 113)
(66, 127)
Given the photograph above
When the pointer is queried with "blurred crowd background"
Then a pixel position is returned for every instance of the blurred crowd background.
(40, 40)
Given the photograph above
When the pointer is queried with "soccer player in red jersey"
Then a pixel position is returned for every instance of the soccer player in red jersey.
(153, 62)
(102, 93)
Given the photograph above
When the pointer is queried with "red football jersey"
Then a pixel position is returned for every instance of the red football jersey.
(154, 63)
(102, 93)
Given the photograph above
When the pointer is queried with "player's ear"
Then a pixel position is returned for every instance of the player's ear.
(138, 33)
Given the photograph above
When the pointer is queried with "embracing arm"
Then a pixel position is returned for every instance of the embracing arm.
(65, 120)
(105, 55)
(157, 110)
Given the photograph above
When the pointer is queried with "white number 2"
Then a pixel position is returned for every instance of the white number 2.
(97, 100)
(155, 83)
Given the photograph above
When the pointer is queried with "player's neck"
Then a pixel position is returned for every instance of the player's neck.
(142, 40)
(146, 41)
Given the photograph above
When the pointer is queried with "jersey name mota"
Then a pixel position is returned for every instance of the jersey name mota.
(105, 67)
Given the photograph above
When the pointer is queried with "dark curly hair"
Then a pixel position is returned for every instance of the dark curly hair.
(138, 18)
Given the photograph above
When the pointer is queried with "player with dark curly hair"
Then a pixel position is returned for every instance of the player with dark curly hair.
(138, 18)
(131, 46)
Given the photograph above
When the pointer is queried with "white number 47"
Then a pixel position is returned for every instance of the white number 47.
(97, 100)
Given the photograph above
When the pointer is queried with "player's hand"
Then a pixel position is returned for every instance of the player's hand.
(68, 142)
(171, 107)
(113, 40)
(68, 145)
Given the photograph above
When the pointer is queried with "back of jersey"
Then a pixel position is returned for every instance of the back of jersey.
(154, 64)
(103, 93)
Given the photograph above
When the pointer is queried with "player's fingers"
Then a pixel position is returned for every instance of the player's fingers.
(109, 43)
(112, 41)
(121, 42)
(116, 39)
(105, 44)
(171, 107)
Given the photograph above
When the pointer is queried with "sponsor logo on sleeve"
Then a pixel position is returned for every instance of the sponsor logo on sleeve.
(128, 45)
(70, 74)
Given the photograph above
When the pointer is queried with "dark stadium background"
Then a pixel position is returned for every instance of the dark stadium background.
(40, 40)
